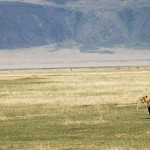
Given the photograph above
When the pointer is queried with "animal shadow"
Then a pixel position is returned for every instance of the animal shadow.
(147, 118)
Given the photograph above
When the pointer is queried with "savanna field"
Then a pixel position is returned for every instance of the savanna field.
(78, 109)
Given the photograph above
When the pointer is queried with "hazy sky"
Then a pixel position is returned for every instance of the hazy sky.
(102, 2)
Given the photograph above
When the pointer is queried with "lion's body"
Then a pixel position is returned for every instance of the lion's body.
(146, 99)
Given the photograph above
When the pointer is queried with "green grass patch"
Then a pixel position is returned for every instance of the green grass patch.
(103, 126)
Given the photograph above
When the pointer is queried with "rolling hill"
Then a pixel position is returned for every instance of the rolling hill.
(102, 24)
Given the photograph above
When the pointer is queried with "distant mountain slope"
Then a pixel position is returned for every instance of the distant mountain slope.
(26, 25)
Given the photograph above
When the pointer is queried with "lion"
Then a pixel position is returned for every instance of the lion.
(146, 99)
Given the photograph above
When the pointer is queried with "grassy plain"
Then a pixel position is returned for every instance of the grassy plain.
(78, 109)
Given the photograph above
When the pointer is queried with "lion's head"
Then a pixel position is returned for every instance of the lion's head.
(145, 99)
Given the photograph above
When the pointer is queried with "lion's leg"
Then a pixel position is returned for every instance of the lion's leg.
(149, 110)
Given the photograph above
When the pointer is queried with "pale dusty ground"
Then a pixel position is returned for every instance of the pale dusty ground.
(47, 57)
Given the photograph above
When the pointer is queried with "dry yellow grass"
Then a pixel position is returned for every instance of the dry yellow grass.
(77, 87)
